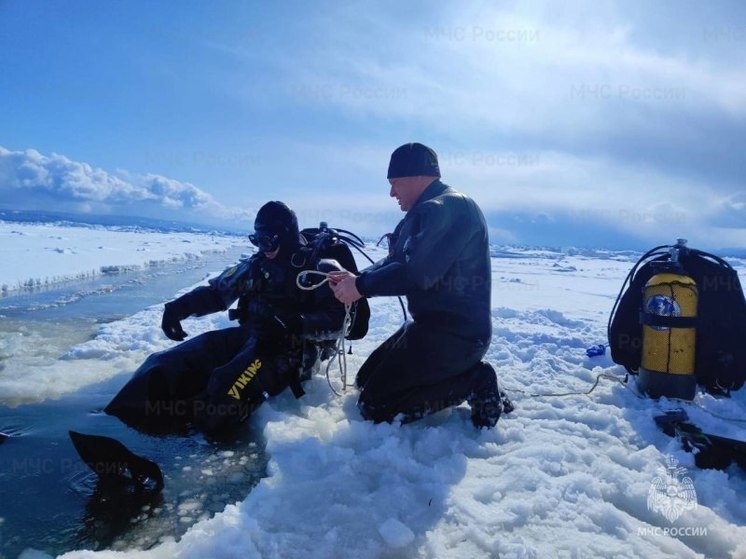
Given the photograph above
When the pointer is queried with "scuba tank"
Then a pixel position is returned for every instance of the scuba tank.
(668, 318)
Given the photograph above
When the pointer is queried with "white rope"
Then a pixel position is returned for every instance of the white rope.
(339, 345)
(313, 286)
(584, 393)
(626, 385)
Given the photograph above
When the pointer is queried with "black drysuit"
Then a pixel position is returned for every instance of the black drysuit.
(218, 378)
(439, 258)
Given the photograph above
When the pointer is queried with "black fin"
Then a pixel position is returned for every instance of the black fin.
(710, 451)
(110, 459)
(667, 422)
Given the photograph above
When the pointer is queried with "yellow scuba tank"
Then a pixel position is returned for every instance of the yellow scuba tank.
(668, 318)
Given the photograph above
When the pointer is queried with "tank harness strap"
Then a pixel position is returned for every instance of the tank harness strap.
(295, 386)
(650, 319)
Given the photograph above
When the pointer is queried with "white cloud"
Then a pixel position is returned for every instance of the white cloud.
(502, 66)
(30, 180)
(730, 211)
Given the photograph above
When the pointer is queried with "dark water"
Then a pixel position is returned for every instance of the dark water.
(49, 500)
(132, 291)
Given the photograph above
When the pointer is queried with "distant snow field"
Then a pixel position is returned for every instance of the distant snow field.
(562, 476)
(38, 255)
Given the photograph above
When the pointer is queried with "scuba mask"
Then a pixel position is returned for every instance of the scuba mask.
(264, 241)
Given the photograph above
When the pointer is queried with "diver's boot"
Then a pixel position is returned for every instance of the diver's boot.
(507, 404)
(485, 398)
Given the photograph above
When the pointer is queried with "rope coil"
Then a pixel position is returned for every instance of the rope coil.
(311, 287)
(340, 343)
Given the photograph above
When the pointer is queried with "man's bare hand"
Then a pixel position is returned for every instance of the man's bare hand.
(343, 286)
(338, 276)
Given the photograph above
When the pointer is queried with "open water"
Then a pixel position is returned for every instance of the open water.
(49, 500)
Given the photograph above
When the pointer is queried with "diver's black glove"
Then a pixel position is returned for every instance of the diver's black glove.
(173, 313)
(198, 302)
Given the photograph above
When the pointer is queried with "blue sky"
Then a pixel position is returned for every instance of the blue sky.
(599, 123)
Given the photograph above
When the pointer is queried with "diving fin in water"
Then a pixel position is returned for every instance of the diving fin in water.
(111, 460)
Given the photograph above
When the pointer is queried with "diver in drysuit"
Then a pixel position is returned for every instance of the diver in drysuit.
(217, 379)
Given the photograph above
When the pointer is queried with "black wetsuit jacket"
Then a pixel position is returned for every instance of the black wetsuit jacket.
(262, 285)
(439, 258)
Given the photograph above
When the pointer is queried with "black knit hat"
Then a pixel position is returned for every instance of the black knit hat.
(413, 160)
(275, 218)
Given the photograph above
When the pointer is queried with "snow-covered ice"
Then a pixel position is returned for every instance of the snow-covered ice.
(562, 476)
(37, 255)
